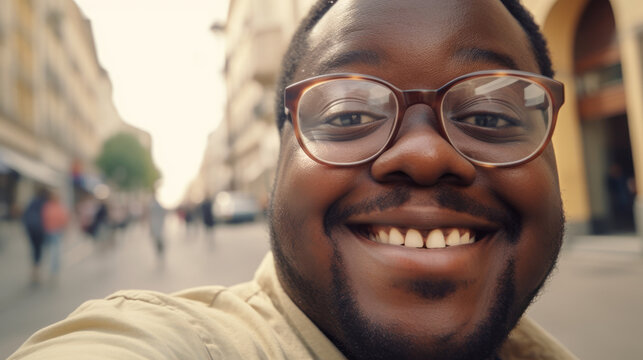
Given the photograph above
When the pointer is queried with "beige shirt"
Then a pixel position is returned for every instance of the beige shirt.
(253, 320)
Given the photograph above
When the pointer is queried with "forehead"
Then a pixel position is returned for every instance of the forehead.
(434, 35)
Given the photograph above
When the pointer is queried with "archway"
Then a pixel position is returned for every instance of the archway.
(604, 127)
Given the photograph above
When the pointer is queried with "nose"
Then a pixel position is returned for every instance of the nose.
(419, 154)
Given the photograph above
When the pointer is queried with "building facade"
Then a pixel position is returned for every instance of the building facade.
(257, 33)
(55, 100)
(214, 174)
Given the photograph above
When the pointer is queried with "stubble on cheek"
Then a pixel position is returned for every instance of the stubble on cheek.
(284, 225)
(283, 233)
(302, 252)
(540, 239)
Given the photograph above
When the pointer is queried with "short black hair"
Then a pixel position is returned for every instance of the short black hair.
(299, 46)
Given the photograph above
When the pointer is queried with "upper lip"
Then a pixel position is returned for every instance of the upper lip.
(424, 218)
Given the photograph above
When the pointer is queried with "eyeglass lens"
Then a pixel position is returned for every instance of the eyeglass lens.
(492, 119)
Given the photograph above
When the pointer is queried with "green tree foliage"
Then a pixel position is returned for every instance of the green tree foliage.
(125, 162)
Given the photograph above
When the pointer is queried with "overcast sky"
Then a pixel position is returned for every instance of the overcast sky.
(165, 65)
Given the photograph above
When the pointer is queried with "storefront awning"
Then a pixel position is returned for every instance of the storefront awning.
(29, 168)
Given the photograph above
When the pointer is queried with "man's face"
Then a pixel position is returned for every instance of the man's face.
(377, 300)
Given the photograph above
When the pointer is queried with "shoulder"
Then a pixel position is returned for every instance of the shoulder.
(129, 324)
(529, 341)
(200, 323)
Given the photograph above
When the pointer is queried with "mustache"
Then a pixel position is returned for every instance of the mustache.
(446, 196)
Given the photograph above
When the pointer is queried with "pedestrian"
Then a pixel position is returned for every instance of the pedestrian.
(86, 209)
(100, 226)
(55, 218)
(621, 198)
(415, 212)
(156, 219)
(208, 218)
(32, 221)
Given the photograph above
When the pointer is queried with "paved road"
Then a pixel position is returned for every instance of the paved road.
(91, 271)
(592, 303)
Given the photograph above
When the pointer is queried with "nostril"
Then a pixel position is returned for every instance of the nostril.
(397, 176)
(452, 178)
(401, 176)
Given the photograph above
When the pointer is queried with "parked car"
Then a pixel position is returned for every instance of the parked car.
(235, 207)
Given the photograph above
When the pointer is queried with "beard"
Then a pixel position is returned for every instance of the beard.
(365, 339)
(362, 338)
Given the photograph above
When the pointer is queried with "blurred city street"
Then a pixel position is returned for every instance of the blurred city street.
(94, 271)
(592, 304)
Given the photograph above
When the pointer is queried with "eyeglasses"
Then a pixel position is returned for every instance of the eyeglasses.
(492, 118)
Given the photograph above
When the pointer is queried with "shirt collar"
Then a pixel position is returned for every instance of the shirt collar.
(309, 334)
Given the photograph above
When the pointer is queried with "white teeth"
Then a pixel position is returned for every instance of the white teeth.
(435, 239)
(453, 238)
(396, 237)
(413, 239)
(465, 239)
(383, 236)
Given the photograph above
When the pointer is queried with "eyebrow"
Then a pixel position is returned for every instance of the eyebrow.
(484, 55)
(363, 57)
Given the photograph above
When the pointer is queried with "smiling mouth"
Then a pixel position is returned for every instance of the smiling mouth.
(415, 238)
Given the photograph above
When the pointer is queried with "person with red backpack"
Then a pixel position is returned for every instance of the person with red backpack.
(54, 218)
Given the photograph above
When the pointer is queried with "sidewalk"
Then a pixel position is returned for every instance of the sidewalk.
(629, 244)
(91, 272)
(592, 303)
(15, 257)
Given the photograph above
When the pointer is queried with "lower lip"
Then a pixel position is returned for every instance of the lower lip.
(443, 262)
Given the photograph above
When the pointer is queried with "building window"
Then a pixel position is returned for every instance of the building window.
(2, 34)
(595, 80)
(54, 21)
(25, 99)
(54, 83)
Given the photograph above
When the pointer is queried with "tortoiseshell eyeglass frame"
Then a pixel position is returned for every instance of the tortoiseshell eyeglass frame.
(434, 98)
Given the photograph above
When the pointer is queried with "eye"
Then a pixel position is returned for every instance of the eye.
(350, 119)
(487, 121)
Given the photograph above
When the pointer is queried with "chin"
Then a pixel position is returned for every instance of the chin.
(365, 335)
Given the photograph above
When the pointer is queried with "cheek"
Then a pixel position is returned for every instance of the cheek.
(532, 190)
(304, 190)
